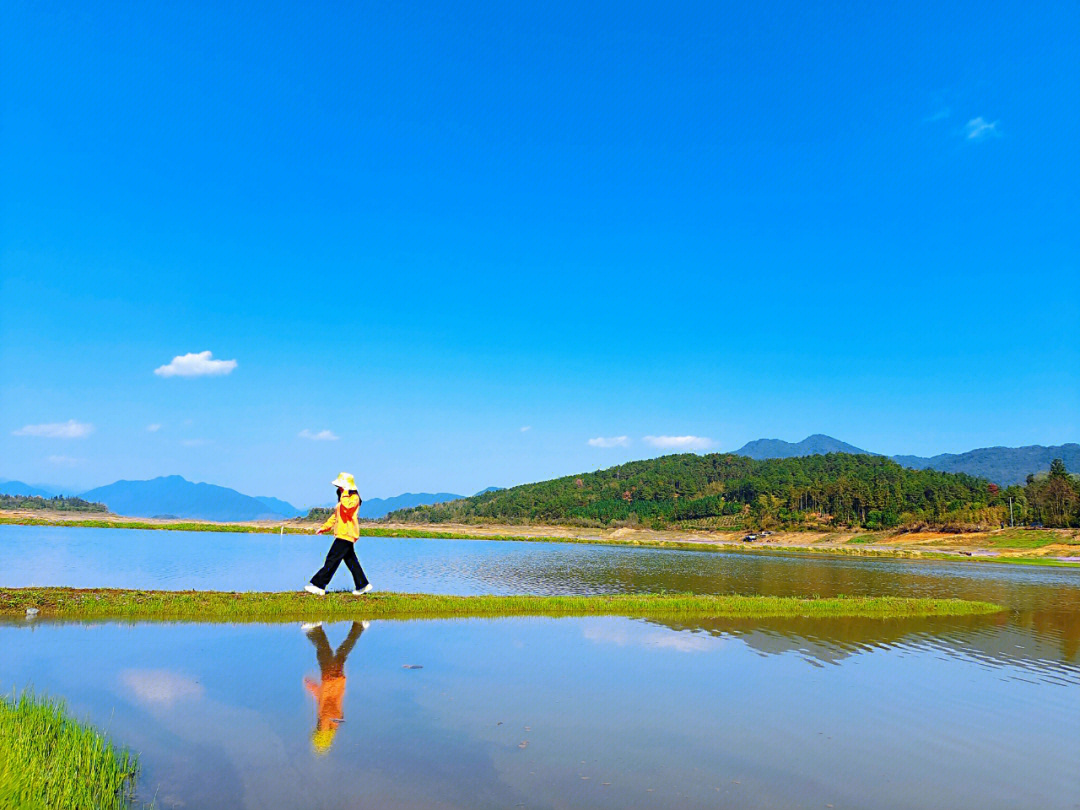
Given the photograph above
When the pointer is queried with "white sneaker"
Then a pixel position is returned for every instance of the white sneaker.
(307, 627)
(314, 589)
(363, 590)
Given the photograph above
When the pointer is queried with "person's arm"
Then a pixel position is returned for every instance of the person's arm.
(329, 525)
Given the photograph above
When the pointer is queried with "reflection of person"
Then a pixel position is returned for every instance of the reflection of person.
(345, 523)
(330, 693)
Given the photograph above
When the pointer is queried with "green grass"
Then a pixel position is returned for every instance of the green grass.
(1027, 538)
(280, 607)
(48, 760)
(864, 538)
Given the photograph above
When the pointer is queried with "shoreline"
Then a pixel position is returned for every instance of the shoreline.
(223, 606)
(1052, 547)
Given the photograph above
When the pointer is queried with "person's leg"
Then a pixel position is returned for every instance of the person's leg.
(323, 652)
(358, 575)
(333, 560)
(349, 642)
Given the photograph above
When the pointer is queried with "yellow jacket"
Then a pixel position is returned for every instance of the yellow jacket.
(345, 522)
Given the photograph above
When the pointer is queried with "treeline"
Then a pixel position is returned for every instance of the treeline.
(725, 490)
(57, 503)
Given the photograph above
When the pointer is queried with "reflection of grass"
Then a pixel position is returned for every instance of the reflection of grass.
(222, 606)
(48, 760)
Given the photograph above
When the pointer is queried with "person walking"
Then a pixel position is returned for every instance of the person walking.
(345, 524)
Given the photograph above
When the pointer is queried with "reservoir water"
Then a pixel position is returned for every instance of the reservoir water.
(979, 712)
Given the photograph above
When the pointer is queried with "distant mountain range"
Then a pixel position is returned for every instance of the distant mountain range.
(373, 508)
(19, 488)
(1002, 465)
(174, 496)
(816, 445)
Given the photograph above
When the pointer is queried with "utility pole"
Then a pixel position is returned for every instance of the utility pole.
(1012, 523)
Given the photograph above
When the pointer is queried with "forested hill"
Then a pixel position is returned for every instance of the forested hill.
(726, 490)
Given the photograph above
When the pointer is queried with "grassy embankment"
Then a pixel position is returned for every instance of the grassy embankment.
(48, 760)
(71, 603)
(1018, 546)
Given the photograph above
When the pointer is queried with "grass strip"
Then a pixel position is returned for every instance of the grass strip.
(272, 607)
(48, 759)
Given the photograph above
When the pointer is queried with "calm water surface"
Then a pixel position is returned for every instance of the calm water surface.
(979, 712)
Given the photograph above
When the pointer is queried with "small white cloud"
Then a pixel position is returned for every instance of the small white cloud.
(64, 461)
(940, 115)
(56, 430)
(154, 428)
(195, 442)
(321, 436)
(160, 686)
(979, 128)
(196, 365)
(679, 442)
(526, 429)
(609, 441)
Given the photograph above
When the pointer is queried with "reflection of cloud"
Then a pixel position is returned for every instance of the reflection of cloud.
(160, 687)
(631, 635)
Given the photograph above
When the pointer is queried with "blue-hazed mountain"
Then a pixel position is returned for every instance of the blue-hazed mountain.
(19, 488)
(816, 445)
(280, 507)
(373, 508)
(1002, 465)
(177, 497)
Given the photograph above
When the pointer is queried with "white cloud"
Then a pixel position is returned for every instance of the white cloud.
(526, 429)
(154, 428)
(679, 442)
(940, 115)
(195, 442)
(609, 441)
(56, 430)
(195, 365)
(160, 686)
(979, 128)
(321, 436)
(64, 461)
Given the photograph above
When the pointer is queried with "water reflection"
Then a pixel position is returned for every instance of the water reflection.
(1044, 603)
(600, 712)
(329, 693)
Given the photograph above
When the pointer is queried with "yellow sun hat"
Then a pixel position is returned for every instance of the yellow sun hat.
(321, 739)
(345, 481)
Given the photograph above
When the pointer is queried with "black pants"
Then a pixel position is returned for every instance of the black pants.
(333, 663)
(341, 550)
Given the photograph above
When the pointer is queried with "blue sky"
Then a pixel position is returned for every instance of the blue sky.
(465, 242)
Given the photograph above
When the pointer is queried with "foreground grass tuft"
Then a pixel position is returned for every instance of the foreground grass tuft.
(48, 760)
(271, 607)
